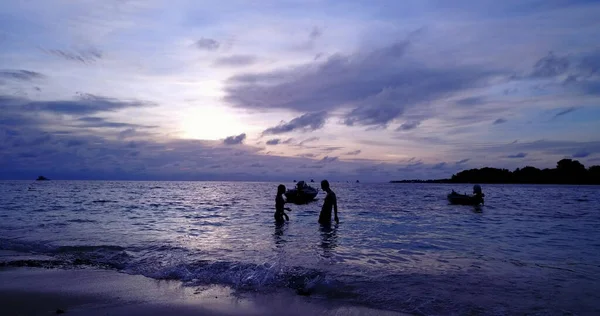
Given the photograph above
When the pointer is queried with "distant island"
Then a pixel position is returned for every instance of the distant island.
(42, 178)
(567, 171)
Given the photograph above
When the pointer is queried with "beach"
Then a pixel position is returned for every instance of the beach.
(40, 291)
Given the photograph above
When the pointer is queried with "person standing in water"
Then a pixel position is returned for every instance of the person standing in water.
(279, 205)
(329, 203)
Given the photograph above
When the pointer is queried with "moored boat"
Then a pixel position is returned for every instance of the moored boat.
(302, 194)
(464, 199)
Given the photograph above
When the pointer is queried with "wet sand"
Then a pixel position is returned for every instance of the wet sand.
(39, 291)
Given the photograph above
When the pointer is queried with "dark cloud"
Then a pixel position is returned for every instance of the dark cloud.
(581, 72)
(274, 141)
(565, 111)
(330, 148)
(207, 44)
(307, 155)
(306, 122)
(500, 121)
(315, 33)
(75, 142)
(22, 75)
(236, 61)
(235, 140)
(470, 101)
(408, 125)
(375, 86)
(545, 147)
(550, 66)
(85, 104)
(353, 153)
(460, 162)
(581, 154)
(127, 133)
(589, 64)
(440, 165)
(83, 56)
(328, 159)
(308, 140)
(519, 155)
(98, 122)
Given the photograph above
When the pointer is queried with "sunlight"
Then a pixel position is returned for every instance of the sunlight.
(210, 123)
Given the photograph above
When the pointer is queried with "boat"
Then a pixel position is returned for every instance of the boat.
(41, 178)
(464, 199)
(302, 194)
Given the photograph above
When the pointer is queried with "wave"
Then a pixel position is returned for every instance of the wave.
(79, 220)
(163, 262)
(166, 262)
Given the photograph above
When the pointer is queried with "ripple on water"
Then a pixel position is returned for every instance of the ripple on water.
(410, 251)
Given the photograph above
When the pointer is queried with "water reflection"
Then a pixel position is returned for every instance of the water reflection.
(278, 234)
(328, 239)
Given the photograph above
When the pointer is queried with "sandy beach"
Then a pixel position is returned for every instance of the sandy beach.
(39, 291)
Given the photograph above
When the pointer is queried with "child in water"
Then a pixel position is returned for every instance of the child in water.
(279, 205)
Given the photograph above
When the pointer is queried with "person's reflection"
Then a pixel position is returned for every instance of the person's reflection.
(278, 234)
(328, 239)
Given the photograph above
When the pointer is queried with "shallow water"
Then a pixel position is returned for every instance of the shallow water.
(531, 249)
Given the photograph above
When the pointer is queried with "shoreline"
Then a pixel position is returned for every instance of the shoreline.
(41, 291)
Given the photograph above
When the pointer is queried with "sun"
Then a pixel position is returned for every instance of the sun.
(210, 123)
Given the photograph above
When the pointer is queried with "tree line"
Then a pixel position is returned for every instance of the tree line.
(567, 171)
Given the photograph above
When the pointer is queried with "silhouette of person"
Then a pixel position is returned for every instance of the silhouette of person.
(329, 203)
(478, 194)
(279, 205)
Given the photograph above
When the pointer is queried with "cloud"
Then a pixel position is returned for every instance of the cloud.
(306, 122)
(460, 162)
(83, 56)
(500, 121)
(274, 141)
(470, 101)
(208, 44)
(308, 140)
(330, 148)
(565, 111)
(315, 33)
(328, 159)
(550, 66)
(128, 133)
(98, 122)
(374, 87)
(235, 140)
(236, 61)
(408, 125)
(353, 153)
(22, 75)
(440, 165)
(85, 104)
(581, 154)
(519, 155)
(307, 155)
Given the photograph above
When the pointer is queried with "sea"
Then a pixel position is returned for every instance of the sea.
(531, 249)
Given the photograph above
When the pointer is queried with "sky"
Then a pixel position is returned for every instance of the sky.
(288, 89)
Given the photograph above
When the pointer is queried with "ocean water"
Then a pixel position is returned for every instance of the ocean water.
(530, 250)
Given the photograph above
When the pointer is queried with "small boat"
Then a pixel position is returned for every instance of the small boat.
(464, 199)
(42, 178)
(302, 194)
